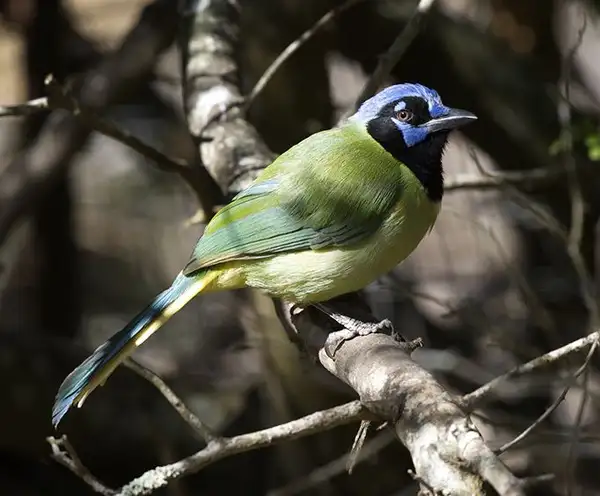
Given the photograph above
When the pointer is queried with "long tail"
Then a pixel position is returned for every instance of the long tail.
(94, 371)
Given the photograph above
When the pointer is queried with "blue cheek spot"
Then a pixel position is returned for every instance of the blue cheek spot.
(400, 106)
(412, 135)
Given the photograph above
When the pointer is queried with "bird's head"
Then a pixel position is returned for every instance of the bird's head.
(408, 114)
(411, 122)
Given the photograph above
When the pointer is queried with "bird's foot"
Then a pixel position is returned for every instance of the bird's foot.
(352, 328)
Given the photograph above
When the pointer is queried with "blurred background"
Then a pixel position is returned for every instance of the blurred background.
(508, 273)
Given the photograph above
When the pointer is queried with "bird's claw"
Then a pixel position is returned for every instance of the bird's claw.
(336, 339)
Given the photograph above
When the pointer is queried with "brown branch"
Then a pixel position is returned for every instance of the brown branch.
(62, 98)
(576, 233)
(230, 147)
(427, 418)
(26, 180)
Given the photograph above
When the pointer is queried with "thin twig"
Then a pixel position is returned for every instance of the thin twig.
(203, 431)
(65, 454)
(293, 47)
(482, 394)
(310, 424)
(570, 465)
(575, 233)
(390, 58)
(553, 406)
(103, 126)
(565, 118)
(525, 178)
(197, 177)
(330, 470)
(23, 109)
(357, 445)
(63, 136)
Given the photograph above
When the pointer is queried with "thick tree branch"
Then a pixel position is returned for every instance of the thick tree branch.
(230, 147)
(447, 450)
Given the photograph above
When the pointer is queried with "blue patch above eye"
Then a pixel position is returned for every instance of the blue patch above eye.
(393, 95)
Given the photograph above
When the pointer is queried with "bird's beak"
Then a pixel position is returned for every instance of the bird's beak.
(450, 120)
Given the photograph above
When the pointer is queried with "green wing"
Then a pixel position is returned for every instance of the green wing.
(333, 189)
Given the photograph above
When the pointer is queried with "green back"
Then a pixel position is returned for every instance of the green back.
(333, 189)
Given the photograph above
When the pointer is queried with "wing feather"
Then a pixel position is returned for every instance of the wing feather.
(306, 200)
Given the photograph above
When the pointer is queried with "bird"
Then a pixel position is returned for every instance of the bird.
(327, 217)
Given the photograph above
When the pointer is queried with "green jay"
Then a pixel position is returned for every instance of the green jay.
(327, 217)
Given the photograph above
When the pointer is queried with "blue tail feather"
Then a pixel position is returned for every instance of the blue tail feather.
(97, 367)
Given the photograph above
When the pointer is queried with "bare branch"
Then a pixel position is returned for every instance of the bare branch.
(390, 58)
(62, 98)
(554, 404)
(63, 453)
(335, 467)
(216, 450)
(28, 108)
(481, 395)
(35, 170)
(564, 114)
(202, 430)
(429, 420)
(525, 179)
(575, 231)
(230, 147)
(446, 449)
(293, 47)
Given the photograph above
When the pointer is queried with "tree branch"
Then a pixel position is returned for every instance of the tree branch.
(202, 430)
(293, 47)
(216, 450)
(477, 398)
(394, 53)
(32, 174)
(63, 453)
(447, 450)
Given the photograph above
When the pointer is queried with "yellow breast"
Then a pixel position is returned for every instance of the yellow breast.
(311, 276)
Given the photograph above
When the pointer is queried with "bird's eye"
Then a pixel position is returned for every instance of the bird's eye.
(404, 115)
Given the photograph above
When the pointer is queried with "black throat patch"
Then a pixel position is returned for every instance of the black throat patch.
(423, 159)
